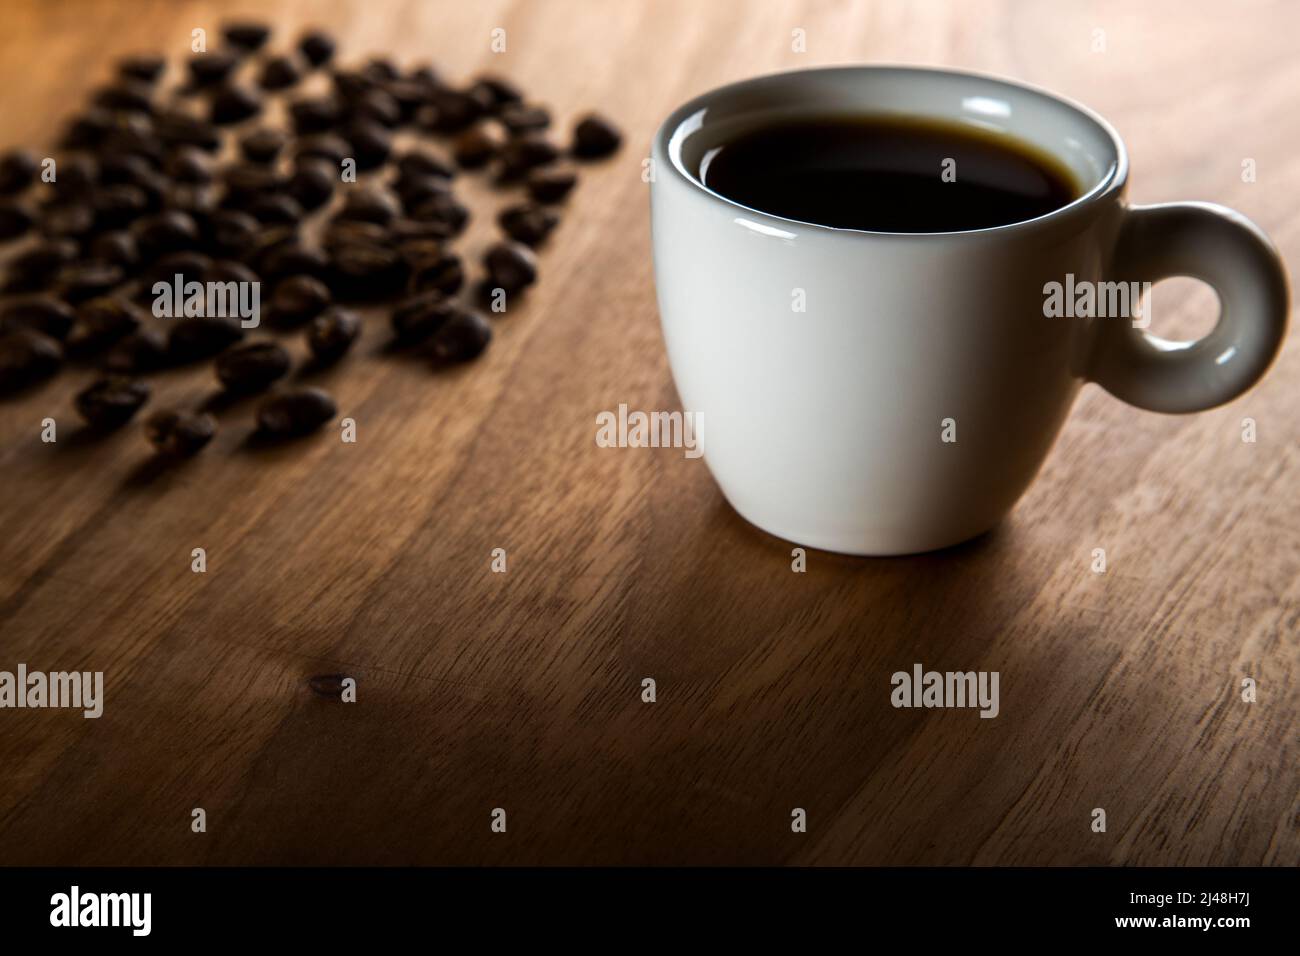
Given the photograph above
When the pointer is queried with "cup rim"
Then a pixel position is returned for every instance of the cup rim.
(1111, 184)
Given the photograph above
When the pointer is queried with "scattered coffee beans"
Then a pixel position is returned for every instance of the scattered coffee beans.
(252, 366)
(179, 434)
(478, 145)
(145, 193)
(297, 412)
(317, 47)
(110, 402)
(510, 266)
(332, 333)
(201, 337)
(594, 137)
(44, 313)
(17, 170)
(144, 350)
(100, 323)
(418, 317)
(27, 357)
(462, 337)
(529, 223)
(551, 183)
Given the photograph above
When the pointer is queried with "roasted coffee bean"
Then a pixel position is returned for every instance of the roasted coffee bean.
(165, 232)
(227, 270)
(157, 191)
(275, 209)
(245, 182)
(118, 205)
(262, 145)
(18, 169)
(266, 240)
(27, 357)
(100, 323)
(118, 247)
(478, 144)
(234, 104)
(144, 350)
(524, 153)
(44, 313)
(35, 266)
(230, 232)
(198, 201)
(371, 144)
(510, 266)
(425, 76)
(77, 175)
(252, 366)
(296, 412)
(415, 191)
(378, 107)
(312, 184)
(442, 273)
(528, 222)
(315, 115)
(279, 73)
(403, 230)
(89, 279)
(188, 164)
(409, 95)
(201, 337)
(366, 270)
(15, 219)
(68, 220)
(246, 34)
(296, 300)
(111, 401)
(523, 118)
(125, 169)
(146, 67)
(416, 163)
(453, 110)
(418, 317)
(421, 250)
(594, 137)
(339, 232)
(126, 95)
(175, 128)
(332, 333)
(462, 337)
(351, 85)
(179, 434)
(370, 204)
(380, 70)
(551, 183)
(496, 91)
(133, 135)
(87, 130)
(211, 67)
(327, 147)
(317, 47)
(291, 259)
(445, 210)
(189, 264)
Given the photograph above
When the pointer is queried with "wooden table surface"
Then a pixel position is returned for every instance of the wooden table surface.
(478, 690)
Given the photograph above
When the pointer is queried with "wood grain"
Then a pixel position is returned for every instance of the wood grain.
(522, 690)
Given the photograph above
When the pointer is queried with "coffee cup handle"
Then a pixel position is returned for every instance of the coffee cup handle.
(1224, 249)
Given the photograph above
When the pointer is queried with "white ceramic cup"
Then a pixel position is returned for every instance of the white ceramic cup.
(826, 426)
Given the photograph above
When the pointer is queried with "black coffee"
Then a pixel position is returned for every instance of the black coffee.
(885, 174)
